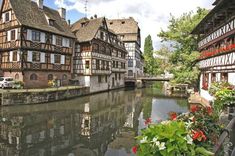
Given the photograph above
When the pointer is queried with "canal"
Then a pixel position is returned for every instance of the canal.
(104, 124)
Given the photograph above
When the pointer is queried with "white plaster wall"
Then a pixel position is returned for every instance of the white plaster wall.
(117, 83)
(218, 76)
(95, 86)
(231, 78)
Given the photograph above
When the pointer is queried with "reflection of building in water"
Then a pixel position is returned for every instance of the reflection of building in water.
(57, 129)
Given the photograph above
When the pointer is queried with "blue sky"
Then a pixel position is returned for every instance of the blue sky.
(72, 15)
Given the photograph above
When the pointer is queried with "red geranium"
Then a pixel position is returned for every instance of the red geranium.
(199, 135)
(134, 149)
(148, 121)
(209, 110)
(173, 115)
(194, 108)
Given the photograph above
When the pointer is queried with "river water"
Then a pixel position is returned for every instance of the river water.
(104, 124)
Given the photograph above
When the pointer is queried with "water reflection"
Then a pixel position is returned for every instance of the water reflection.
(98, 125)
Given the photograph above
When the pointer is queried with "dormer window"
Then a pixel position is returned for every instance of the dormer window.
(7, 17)
(51, 22)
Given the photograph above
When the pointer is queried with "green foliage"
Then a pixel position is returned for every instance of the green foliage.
(224, 95)
(148, 55)
(169, 138)
(185, 45)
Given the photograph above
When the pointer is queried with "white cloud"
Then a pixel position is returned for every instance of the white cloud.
(152, 15)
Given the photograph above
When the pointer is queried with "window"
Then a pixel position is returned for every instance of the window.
(103, 65)
(102, 35)
(36, 35)
(130, 72)
(33, 77)
(57, 59)
(115, 76)
(205, 81)
(50, 77)
(224, 77)
(102, 49)
(48, 38)
(14, 56)
(64, 77)
(97, 64)
(13, 35)
(117, 64)
(59, 40)
(36, 56)
(51, 22)
(99, 79)
(17, 76)
(130, 63)
(119, 76)
(106, 78)
(113, 64)
(7, 17)
(95, 47)
(107, 65)
(87, 65)
(213, 77)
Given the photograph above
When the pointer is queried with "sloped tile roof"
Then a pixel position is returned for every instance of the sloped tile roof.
(28, 14)
(86, 29)
(128, 28)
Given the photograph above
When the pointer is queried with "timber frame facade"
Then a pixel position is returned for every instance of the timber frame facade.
(217, 46)
(35, 51)
(100, 56)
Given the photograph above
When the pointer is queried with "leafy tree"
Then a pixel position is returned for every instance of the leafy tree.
(148, 55)
(183, 58)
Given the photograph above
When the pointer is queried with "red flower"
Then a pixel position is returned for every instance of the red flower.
(199, 135)
(209, 110)
(134, 149)
(173, 115)
(194, 108)
(148, 121)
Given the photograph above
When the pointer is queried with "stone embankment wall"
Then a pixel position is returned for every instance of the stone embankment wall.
(12, 97)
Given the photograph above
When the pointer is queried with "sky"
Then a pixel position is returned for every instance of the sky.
(152, 15)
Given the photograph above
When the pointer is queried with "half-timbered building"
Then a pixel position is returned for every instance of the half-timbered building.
(217, 46)
(99, 60)
(36, 43)
(129, 32)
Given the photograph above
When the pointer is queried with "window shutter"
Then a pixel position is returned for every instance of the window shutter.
(9, 15)
(54, 39)
(11, 56)
(42, 57)
(62, 59)
(18, 55)
(3, 18)
(29, 34)
(9, 35)
(43, 37)
(29, 57)
(52, 58)
(17, 36)
(64, 42)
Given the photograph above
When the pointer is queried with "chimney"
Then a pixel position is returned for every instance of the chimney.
(69, 22)
(39, 3)
(62, 12)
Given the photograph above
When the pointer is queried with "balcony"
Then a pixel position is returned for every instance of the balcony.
(217, 51)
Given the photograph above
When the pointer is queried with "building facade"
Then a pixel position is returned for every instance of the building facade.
(129, 32)
(36, 43)
(217, 46)
(100, 57)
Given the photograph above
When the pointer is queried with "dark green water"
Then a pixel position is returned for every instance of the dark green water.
(99, 125)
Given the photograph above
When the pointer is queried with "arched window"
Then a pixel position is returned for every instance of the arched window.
(17, 76)
(33, 77)
(50, 77)
(64, 77)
